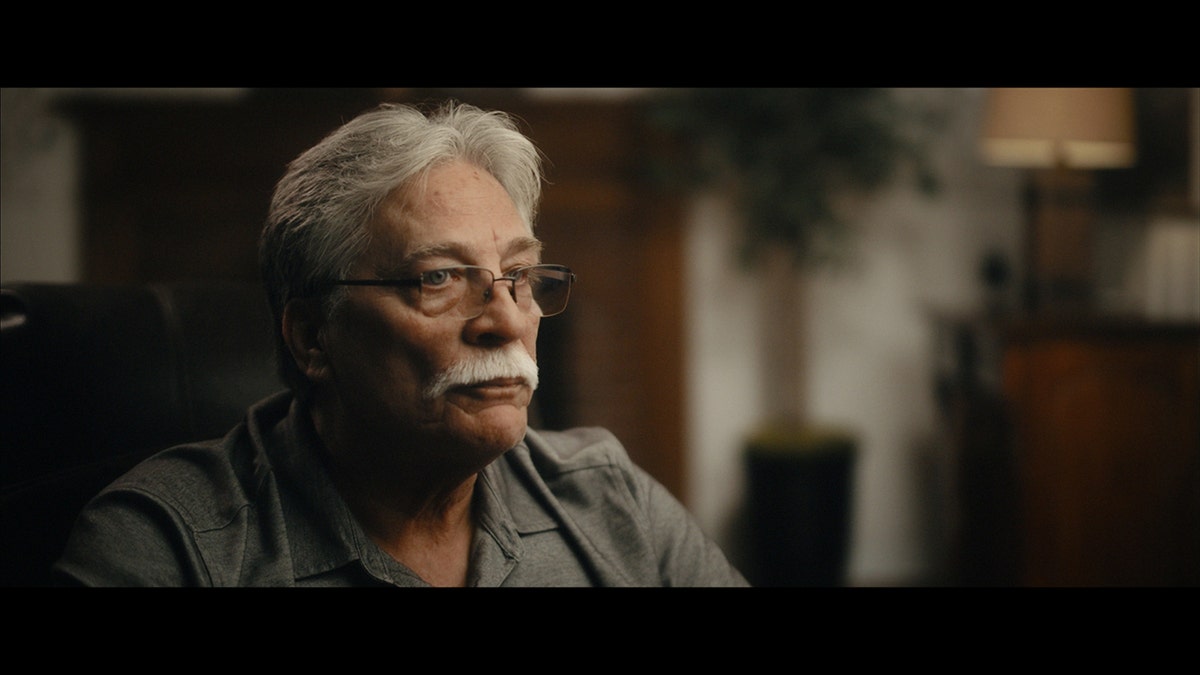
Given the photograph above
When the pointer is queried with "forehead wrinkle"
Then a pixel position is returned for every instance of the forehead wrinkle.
(413, 202)
(463, 253)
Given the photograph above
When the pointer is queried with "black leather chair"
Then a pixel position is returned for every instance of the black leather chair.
(96, 378)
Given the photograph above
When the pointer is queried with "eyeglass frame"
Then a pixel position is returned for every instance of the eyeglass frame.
(509, 277)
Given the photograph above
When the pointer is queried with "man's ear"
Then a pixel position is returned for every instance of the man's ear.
(303, 331)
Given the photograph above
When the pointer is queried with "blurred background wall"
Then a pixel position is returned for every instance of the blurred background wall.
(874, 349)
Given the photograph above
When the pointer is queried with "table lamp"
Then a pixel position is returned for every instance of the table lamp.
(1061, 135)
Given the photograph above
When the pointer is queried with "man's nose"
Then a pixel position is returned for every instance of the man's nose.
(502, 319)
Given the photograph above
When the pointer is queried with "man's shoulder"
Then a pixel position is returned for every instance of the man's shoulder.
(204, 481)
(177, 466)
(237, 452)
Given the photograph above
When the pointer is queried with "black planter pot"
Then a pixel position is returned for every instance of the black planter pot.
(800, 487)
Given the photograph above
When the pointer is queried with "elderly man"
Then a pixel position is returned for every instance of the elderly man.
(407, 285)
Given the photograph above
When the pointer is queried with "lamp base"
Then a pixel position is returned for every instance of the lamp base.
(1059, 275)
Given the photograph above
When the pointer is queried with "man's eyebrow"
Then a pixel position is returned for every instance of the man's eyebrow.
(440, 250)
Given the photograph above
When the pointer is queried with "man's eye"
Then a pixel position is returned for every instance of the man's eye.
(437, 277)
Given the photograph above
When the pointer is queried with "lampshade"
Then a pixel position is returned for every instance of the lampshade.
(1083, 128)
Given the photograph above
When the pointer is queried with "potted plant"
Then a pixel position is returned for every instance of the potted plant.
(794, 163)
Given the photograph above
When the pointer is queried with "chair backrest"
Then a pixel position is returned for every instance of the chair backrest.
(94, 379)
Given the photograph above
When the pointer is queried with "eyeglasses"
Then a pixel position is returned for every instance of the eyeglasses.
(537, 289)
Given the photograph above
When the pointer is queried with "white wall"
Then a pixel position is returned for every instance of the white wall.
(722, 364)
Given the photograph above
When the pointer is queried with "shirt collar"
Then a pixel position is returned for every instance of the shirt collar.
(324, 536)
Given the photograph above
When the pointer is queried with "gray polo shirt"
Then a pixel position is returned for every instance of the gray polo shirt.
(257, 508)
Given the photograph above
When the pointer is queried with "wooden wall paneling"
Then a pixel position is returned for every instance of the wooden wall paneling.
(624, 240)
(179, 188)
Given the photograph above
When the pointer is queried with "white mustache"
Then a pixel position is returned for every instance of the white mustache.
(510, 362)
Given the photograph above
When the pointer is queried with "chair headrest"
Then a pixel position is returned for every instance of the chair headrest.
(89, 371)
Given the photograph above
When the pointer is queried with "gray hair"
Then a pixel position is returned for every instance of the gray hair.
(318, 225)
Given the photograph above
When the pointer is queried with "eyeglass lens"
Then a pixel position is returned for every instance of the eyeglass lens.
(543, 290)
